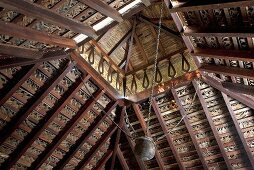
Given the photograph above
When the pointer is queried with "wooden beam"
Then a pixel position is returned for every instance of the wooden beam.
(22, 52)
(212, 125)
(66, 130)
(94, 75)
(95, 148)
(122, 159)
(33, 103)
(84, 137)
(146, 2)
(15, 62)
(239, 88)
(35, 35)
(104, 9)
(18, 79)
(118, 135)
(230, 71)
(37, 11)
(166, 30)
(145, 128)
(42, 125)
(190, 130)
(141, 48)
(159, 60)
(165, 86)
(106, 57)
(225, 54)
(168, 136)
(216, 83)
(208, 5)
(103, 160)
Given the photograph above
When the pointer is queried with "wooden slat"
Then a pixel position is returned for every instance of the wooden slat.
(230, 71)
(211, 123)
(168, 135)
(144, 128)
(104, 159)
(37, 11)
(239, 131)
(33, 103)
(65, 131)
(84, 137)
(103, 8)
(190, 130)
(118, 135)
(32, 34)
(122, 159)
(36, 132)
(95, 148)
(209, 4)
(225, 54)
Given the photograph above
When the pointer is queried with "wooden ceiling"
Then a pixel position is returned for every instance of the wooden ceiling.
(50, 120)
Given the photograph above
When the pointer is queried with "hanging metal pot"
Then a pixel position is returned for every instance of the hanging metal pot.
(144, 148)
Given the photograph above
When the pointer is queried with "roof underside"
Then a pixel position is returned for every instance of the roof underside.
(68, 68)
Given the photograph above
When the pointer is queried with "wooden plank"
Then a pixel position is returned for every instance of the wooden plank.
(95, 75)
(212, 125)
(130, 46)
(239, 130)
(103, 160)
(20, 51)
(14, 62)
(106, 57)
(122, 159)
(84, 137)
(216, 83)
(159, 60)
(18, 79)
(32, 104)
(168, 135)
(146, 2)
(66, 130)
(32, 9)
(35, 35)
(36, 132)
(95, 148)
(118, 135)
(146, 129)
(190, 130)
(104, 9)
(225, 54)
(209, 4)
(239, 88)
(230, 71)
(165, 86)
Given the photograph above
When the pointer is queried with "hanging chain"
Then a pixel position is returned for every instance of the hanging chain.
(154, 69)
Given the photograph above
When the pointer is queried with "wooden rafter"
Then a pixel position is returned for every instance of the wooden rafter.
(36, 132)
(122, 159)
(144, 128)
(66, 130)
(161, 49)
(103, 8)
(212, 125)
(96, 147)
(32, 104)
(141, 48)
(239, 130)
(104, 159)
(84, 137)
(35, 10)
(146, 2)
(239, 88)
(168, 135)
(190, 130)
(32, 34)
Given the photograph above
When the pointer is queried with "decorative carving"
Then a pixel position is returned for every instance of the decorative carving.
(220, 17)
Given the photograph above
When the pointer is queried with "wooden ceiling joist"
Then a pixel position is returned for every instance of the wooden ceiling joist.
(190, 130)
(96, 147)
(33, 103)
(104, 8)
(122, 159)
(144, 128)
(36, 132)
(32, 34)
(66, 130)
(35, 10)
(103, 161)
(84, 137)
(210, 4)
